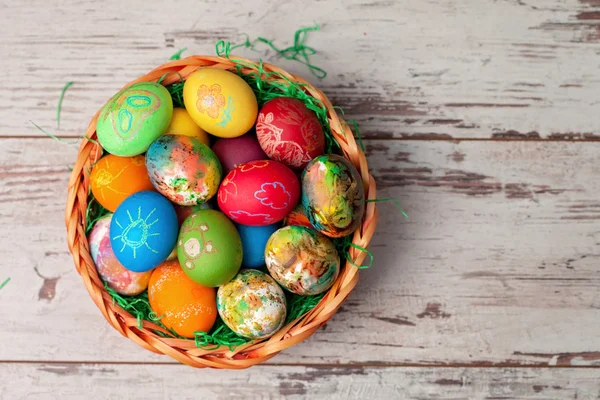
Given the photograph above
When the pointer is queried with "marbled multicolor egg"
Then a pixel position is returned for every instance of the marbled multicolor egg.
(209, 248)
(110, 270)
(183, 124)
(259, 193)
(185, 306)
(114, 178)
(220, 102)
(134, 118)
(297, 217)
(143, 231)
(289, 132)
(333, 195)
(183, 169)
(252, 304)
(302, 260)
(237, 151)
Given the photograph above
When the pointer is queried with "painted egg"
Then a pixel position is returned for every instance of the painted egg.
(183, 169)
(185, 211)
(252, 304)
(183, 124)
(297, 217)
(302, 260)
(259, 193)
(134, 118)
(185, 306)
(220, 102)
(333, 195)
(143, 231)
(236, 151)
(254, 241)
(289, 132)
(114, 178)
(209, 248)
(110, 270)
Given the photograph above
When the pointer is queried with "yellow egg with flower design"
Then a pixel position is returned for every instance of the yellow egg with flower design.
(220, 102)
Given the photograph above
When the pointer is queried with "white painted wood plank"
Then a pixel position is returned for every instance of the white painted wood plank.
(109, 381)
(497, 264)
(420, 68)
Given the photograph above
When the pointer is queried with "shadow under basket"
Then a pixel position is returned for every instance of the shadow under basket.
(185, 350)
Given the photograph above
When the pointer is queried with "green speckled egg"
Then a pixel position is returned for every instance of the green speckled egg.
(134, 118)
(209, 248)
(252, 304)
(302, 260)
(333, 195)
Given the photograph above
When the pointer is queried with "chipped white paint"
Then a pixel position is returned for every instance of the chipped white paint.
(497, 264)
(425, 68)
(156, 382)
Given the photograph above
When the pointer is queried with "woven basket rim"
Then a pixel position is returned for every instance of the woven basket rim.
(185, 351)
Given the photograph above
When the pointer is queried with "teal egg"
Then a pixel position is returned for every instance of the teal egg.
(134, 118)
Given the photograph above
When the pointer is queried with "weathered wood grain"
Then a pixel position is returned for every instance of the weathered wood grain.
(497, 264)
(524, 69)
(110, 381)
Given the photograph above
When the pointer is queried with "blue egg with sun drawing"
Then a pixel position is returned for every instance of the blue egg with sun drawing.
(143, 231)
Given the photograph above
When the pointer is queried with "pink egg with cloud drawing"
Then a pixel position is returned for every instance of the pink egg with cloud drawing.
(259, 193)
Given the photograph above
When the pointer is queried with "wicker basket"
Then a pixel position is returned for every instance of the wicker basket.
(186, 351)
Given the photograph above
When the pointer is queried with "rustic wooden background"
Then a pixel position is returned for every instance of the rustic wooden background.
(481, 117)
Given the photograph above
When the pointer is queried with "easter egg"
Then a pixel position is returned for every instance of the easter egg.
(220, 102)
(209, 248)
(185, 306)
(114, 178)
(333, 195)
(236, 151)
(183, 169)
(297, 217)
(183, 124)
(289, 132)
(254, 240)
(143, 231)
(134, 118)
(110, 270)
(302, 260)
(252, 304)
(185, 211)
(259, 193)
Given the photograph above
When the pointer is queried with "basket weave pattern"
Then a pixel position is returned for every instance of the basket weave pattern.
(185, 351)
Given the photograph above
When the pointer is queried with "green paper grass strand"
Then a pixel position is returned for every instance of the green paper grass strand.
(395, 200)
(371, 257)
(298, 52)
(60, 100)
(4, 283)
(177, 56)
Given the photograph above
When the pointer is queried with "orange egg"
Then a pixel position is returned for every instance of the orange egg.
(185, 306)
(113, 179)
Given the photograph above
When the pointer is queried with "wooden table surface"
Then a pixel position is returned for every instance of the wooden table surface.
(480, 116)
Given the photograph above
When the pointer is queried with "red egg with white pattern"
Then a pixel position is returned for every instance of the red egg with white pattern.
(289, 132)
(259, 193)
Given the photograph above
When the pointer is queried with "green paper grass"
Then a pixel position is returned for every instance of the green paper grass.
(4, 283)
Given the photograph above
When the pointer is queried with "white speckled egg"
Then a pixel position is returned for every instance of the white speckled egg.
(252, 304)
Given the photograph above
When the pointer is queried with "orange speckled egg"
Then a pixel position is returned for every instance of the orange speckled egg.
(185, 306)
(114, 178)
